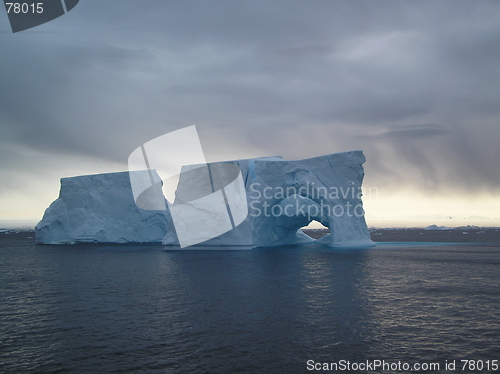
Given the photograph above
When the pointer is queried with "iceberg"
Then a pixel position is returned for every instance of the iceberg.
(100, 209)
(266, 205)
(283, 196)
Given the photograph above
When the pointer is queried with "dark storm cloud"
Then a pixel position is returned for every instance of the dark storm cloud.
(431, 157)
(409, 144)
(297, 78)
(410, 133)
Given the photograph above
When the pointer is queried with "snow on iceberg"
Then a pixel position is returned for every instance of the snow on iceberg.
(281, 197)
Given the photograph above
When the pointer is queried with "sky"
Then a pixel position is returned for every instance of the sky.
(415, 85)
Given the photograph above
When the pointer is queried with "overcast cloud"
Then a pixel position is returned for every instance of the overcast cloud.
(416, 85)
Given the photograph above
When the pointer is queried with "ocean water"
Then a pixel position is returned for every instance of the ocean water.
(141, 309)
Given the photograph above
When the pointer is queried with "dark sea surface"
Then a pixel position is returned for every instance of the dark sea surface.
(139, 308)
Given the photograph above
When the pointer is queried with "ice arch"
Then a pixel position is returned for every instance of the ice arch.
(283, 196)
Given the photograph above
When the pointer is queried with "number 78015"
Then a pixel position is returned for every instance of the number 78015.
(24, 7)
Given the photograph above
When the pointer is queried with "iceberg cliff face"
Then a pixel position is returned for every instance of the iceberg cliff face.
(283, 196)
(100, 208)
(267, 208)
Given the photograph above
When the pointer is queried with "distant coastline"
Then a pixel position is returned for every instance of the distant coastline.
(462, 234)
